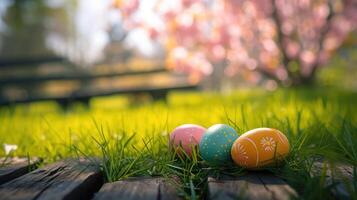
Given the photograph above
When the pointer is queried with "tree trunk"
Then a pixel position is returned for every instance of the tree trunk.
(301, 80)
(215, 80)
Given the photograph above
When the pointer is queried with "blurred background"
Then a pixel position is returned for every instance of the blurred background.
(73, 50)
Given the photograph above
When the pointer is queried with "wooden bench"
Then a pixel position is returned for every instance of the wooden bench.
(29, 80)
(82, 179)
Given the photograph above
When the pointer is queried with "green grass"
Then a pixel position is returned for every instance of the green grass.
(132, 139)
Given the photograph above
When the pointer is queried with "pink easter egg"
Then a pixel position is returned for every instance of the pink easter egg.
(186, 135)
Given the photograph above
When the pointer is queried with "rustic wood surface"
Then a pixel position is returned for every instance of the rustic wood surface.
(67, 179)
(338, 175)
(255, 185)
(82, 179)
(11, 168)
(138, 188)
(169, 189)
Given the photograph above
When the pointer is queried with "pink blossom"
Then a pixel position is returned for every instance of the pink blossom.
(252, 36)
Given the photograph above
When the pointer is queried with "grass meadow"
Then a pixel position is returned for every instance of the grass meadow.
(132, 139)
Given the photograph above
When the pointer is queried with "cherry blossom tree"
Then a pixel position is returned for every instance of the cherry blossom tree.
(286, 41)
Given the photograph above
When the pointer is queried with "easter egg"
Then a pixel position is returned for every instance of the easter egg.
(216, 144)
(260, 147)
(187, 136)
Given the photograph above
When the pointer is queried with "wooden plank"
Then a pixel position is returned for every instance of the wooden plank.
(11, 168)
(12, 62)
(137, 188)
(98, 93)
(278, 187)
(249, 186)
(130, 189)
(18, 80)
(167, 189)
(69, 179)
(338, 175)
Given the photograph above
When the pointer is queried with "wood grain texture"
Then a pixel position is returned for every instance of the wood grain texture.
(278, 187)
(249, 186)
(337, 175)
(168, 189)
(138, 188)
(11, 168)
(68, 179)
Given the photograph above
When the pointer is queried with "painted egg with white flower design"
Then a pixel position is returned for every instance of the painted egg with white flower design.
(260, 147)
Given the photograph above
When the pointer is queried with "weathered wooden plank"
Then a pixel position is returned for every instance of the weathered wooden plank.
(168, 189)
(137, 188)
(338, 175)
(130, 189)
(11, 168)
(249, 186)
(278, 187)
(68, 179)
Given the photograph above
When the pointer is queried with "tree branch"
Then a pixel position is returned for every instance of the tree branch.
(280, 38)
(268, 75)
(325, 30)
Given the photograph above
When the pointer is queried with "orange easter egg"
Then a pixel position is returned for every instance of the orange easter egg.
(260, 147)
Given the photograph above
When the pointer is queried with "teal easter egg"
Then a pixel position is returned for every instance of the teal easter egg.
(216, 143)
